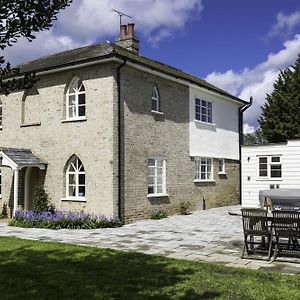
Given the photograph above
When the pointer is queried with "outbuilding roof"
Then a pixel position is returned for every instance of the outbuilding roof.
(107, 50)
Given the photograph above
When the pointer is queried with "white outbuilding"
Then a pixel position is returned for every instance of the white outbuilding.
(269, 166)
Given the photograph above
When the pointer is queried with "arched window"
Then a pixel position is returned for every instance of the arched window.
(76, 99)
(155, 99)
(75, 177)
(0, 113)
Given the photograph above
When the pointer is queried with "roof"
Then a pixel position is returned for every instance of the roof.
(22, 157)
(107, 50)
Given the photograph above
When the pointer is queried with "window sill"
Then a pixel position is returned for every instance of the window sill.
(205, 123)
(222, 173)
(79, 119)
(269, 179)
(155, 112)
(204, 180)
(157, 195)
(31, 124)
(74, 199)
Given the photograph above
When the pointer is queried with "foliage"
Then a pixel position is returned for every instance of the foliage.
(254, 138)
(4, 213)
(40, 200)
(44, 270)
(23, 19)
(185, 206)
(280, 118)
(62, 219)
(158, 214)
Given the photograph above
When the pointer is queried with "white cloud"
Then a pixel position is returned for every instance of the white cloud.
(257, 82)
(88, 21)
(248, 128)
(285, 24)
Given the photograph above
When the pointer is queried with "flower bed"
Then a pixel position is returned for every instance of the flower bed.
(62, 219)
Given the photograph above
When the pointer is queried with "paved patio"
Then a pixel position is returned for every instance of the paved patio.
(212, 235)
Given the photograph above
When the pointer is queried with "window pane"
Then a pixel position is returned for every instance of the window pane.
(151, 171)
(263, 160)
(81, 99)
(81, 111)
(160, 163)
(159, 189)
(150, 190)
(81, 178)
(154, 105)
(151, 162)
(159, 180)
(159, 172)
(72, 100)
(263, 173)
(151, 180)
(72, 111)
(81, 191)
(204, 103)
(72, 190)
(203, 118)
(276, 171)
(72, 179)
(275, 159)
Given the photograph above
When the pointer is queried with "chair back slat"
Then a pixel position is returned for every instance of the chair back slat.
(254, 219)
(287, 223)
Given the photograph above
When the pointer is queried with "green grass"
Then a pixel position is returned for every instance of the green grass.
(42, 270)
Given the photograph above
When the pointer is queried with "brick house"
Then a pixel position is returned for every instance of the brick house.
(107, 130)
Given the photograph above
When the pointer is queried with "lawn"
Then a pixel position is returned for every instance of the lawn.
(42, 270)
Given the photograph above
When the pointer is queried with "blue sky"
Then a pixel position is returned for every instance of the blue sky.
(237, 45)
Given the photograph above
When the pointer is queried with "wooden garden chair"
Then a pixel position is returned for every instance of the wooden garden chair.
(286, 226)
(256, 231)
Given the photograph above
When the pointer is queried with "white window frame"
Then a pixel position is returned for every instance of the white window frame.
(156, 176)
(269, 167)
(76, 104)
(75, 162)
(201, 106)
(206, 162)
(221, 166)
(155, 97)
(1, 113)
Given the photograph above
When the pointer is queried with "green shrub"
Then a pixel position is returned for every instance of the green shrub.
(158, 214)
(40, 200)
(185, 207)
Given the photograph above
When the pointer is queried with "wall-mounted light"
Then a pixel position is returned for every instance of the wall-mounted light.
(248, 158)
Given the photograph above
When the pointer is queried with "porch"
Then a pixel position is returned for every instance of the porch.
(27, 172)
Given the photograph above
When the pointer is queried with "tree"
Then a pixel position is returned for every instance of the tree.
(23, 19)
(254, 138)
(280, 117)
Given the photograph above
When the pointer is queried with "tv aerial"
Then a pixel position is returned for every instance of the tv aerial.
(121, 14)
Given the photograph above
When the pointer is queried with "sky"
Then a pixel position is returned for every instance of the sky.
(237, 45)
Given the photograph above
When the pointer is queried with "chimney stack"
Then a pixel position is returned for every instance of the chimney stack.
(127, 38)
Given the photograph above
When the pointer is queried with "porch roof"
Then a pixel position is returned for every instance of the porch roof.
(19, 158)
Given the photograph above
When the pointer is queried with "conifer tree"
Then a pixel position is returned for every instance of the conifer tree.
(280, 117)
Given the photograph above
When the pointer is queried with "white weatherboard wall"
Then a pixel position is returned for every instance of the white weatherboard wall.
(220, 139)
(290, 166)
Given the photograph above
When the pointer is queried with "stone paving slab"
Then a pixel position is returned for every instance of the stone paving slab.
(212, 235)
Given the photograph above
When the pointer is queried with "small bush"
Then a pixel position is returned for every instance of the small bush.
(158, 214)
(62, 220)
(4, 213)
(40, 200)
(185, 207)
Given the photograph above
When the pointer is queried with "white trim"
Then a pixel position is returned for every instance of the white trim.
(74, 199)
(205, 123)
(16, 191)
(76, 119)
(183, 82)
(157, 195)
(269, 164)
(204, 180)
(155, 112)
(26, 190)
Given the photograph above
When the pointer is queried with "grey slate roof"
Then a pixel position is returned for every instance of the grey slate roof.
(107, 50)
(22, 157)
